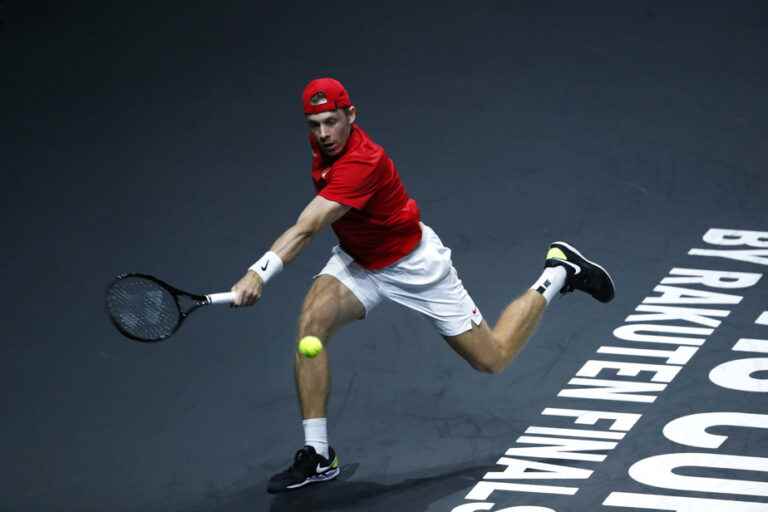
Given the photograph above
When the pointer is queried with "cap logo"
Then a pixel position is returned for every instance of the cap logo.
(318, 98)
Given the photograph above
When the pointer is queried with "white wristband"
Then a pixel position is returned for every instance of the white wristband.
(268, 265)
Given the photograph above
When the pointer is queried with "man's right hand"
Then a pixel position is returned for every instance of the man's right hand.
(248, 289)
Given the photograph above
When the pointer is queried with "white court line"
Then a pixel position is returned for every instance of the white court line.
(762, 319)
(751, 345)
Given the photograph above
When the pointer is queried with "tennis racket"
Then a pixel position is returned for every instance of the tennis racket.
(146, 309)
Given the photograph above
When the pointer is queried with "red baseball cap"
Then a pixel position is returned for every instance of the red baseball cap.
(324, 94)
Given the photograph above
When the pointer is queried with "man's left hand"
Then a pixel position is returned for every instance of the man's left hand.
(248, 289)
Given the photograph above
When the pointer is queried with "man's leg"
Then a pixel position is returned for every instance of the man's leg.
(328, 306)
(491, 350)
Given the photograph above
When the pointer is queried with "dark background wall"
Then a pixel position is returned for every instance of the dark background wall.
(166, 137)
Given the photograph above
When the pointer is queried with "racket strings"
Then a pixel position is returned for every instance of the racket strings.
(142, 308)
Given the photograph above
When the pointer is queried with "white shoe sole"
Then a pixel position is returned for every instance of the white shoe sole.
(328, 475)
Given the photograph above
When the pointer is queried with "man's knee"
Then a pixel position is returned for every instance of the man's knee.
(492, 367)
(329, 304)
(315, 322)
(484, 361)
(479, 348)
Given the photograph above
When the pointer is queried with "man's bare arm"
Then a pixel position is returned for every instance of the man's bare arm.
(319, 213)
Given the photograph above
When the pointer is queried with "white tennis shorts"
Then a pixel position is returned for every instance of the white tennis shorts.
(424, 281)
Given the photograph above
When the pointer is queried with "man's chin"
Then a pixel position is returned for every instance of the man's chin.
(330, 152)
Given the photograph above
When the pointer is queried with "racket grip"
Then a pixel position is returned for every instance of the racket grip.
(221, 298)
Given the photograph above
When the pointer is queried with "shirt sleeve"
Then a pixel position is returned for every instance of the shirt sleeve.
(352, 182)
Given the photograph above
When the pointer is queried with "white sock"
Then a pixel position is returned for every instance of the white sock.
(316, 435)
(550, 282)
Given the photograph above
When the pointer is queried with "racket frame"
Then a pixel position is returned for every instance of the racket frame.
(198, 302)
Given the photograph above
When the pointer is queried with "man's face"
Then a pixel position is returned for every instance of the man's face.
(331, 129)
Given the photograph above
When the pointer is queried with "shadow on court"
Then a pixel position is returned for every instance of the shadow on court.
(342, 494)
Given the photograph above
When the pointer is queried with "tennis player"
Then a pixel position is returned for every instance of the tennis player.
(386, 252)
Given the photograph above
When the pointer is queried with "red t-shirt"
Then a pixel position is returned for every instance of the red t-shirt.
(383, 224)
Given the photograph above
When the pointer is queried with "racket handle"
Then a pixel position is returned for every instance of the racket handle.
(221, 298)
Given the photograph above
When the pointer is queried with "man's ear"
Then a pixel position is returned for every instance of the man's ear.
(351, 113)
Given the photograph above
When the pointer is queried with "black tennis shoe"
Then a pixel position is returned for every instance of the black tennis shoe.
(583, 274)
(308, 467)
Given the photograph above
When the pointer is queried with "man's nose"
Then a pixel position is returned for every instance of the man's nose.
(324, 132)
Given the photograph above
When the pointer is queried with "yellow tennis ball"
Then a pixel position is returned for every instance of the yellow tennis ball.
(310, 346)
